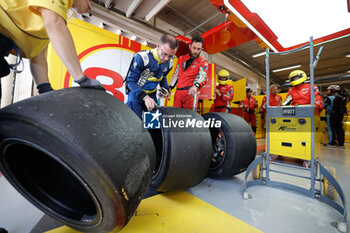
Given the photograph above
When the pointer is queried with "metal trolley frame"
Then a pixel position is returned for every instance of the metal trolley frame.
(317, 171)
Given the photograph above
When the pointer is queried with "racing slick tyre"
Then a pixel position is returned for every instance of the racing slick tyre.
(183, 153)
(234, 145)
(79, 155)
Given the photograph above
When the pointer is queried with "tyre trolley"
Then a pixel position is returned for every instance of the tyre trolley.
(292, 131)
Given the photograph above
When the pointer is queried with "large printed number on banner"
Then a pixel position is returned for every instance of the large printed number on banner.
(117, 80)
(107, 63)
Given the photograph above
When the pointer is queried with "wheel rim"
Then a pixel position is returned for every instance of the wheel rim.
(219, 150)
(50, 183)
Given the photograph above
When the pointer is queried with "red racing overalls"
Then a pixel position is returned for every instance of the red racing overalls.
(275, 100)
(222, 103)
(249, 112)
(300, 95)
(195, 74)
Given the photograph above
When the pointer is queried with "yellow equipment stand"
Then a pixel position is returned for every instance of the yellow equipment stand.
(294, 132)
(291, 137)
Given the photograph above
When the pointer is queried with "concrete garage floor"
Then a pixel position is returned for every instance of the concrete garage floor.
(270, 210)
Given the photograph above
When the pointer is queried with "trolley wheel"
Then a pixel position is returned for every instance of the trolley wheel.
(328, 189)
(256, 172)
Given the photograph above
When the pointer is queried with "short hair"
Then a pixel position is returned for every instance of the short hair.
(274, 85)
(170, 40)
(197, 39)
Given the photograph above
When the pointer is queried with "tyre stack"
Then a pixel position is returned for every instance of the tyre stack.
(83, 157)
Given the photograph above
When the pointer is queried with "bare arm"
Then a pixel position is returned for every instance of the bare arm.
(62, 42)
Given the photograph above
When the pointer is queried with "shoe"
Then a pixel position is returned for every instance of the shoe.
(332, 145)
(306, 164)
(340, 146)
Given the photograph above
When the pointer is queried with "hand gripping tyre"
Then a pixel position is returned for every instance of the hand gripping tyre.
(183, 153)
(79, 155)
(233, 143)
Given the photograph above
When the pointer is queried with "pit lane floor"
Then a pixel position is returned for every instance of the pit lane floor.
(211, 206)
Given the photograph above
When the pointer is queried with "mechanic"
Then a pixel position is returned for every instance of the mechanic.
(339, 107)
(249, 105)
(27, 26)
(223, 92)
(299, 94)
(275, 99)
(148, 69)
(329, 106)
(190, 75)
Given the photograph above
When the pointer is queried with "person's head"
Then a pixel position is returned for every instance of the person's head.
(297, 77)
(274, 89)
(167, 48)
(223, 77)
(249, 92)
(81, 6)
(196, 46)
(332, 89)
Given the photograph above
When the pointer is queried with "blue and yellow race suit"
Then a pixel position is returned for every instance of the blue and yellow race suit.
(145, 73)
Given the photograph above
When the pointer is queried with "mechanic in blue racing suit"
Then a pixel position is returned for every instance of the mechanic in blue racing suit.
(148, 69)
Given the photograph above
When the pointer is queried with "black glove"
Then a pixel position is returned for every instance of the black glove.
(44, 87)
(90, 83)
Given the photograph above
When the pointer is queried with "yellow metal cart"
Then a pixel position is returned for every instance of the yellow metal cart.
(293, 132)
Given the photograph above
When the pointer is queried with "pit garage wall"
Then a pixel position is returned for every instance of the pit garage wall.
(103, 55)
(106, 56)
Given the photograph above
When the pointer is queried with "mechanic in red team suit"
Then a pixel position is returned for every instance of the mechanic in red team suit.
(190, 75)
(224, 93)
(275, 99)
(249, 105)
(299, 94)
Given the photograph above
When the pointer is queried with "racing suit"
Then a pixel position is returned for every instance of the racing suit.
(144, 75)
(195, 74)
(249, 113)
(300, 95)
(222, 102)
(275, 100)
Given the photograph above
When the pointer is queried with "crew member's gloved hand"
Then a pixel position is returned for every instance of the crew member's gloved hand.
(44, 87)
(90, 83)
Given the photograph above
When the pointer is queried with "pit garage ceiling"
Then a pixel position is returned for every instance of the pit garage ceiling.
(193, 17)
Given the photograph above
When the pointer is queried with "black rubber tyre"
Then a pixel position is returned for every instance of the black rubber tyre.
(79, 155)
(234, 145)
(183, 154)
